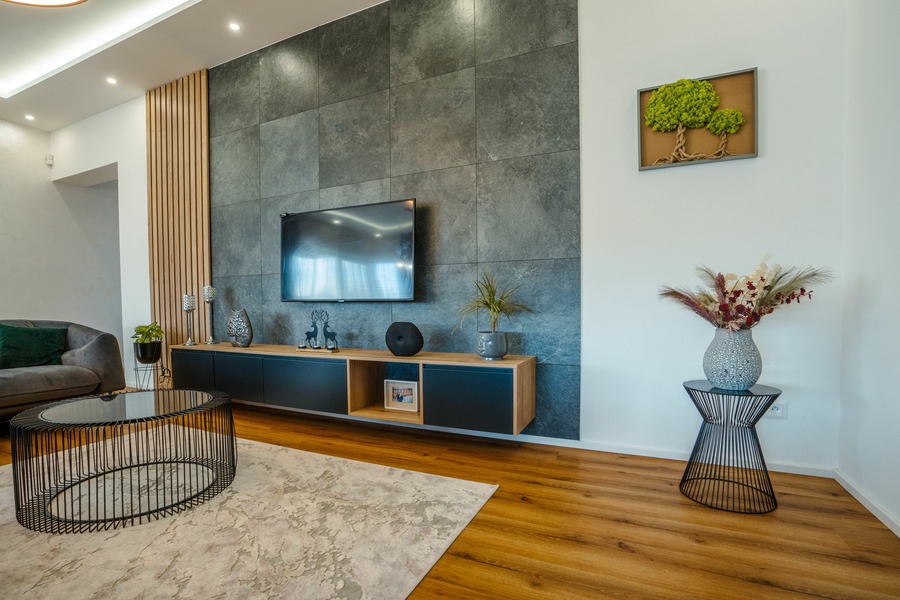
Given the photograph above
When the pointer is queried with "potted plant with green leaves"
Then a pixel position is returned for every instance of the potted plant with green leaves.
(492, 345)
(148, 343)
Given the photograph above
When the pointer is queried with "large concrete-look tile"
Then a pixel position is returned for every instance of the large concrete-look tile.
(234, 293)
(505, 28)
(552, 289)
(528, 208)
(289, 77)
(558, 410)
(354, 140)
(355, 194)
(440, 291)
(430, 37)
(445, 213)
(234, 230)
(271, 210)
(234, 95)
(234, 167)
(433, 123)
(357, 324)
(528, 104)
(354, 55)
(289, 154)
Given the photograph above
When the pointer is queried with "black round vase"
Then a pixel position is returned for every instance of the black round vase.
(403, 339)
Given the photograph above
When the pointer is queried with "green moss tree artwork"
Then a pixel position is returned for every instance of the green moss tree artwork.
(690, 104)
(723, 122)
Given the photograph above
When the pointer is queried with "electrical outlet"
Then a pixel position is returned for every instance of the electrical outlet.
(777, 411)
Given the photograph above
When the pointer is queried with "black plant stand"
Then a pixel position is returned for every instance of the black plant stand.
(726, 469)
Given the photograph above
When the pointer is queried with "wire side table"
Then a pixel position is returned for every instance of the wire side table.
(101, 462)
(726, 469)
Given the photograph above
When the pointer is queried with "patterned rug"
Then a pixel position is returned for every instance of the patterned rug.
(292, 525)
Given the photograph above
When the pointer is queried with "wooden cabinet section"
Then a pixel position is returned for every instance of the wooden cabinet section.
(458, 391)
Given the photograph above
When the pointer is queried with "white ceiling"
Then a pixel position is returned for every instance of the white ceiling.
(157, 41)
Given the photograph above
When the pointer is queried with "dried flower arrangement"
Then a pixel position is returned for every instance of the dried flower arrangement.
(735, 302)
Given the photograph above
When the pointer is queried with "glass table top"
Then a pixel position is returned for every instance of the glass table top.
(702, 385)
(126, 406)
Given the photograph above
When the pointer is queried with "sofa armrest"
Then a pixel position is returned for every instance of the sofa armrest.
(97, 351)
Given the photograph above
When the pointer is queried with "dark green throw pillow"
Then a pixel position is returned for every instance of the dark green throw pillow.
(30, 346)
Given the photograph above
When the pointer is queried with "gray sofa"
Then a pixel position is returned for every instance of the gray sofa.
(91, 364)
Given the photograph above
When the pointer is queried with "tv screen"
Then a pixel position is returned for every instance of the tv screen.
(357, 254)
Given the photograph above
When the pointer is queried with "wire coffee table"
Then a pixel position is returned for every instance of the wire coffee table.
(101, 462)
(726, 469)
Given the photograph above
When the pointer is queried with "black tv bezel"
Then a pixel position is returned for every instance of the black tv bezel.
(345, 300)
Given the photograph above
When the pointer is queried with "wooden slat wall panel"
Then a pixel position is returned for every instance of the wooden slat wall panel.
(178, 196)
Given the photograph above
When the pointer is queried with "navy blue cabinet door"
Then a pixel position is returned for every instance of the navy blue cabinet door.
(479, 398)
(307, 383)
(241, 377)
(193, 371)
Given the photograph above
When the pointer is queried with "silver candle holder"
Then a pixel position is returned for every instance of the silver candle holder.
(188, 305)
(209, 296)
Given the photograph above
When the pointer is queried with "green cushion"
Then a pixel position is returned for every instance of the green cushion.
(30, 346)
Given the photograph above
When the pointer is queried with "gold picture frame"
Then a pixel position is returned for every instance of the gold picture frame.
(401, 395)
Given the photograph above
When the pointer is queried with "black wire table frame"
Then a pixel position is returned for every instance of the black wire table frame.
(727, 469)
(100, 462)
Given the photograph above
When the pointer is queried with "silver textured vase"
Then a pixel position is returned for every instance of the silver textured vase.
(240, 331)
(732, 361)
(491, 346)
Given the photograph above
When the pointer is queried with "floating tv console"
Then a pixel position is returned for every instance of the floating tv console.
(455, 390)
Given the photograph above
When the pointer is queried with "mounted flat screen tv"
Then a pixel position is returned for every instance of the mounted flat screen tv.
(356, 254)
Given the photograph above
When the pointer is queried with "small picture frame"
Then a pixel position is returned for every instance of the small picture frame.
(401, 395)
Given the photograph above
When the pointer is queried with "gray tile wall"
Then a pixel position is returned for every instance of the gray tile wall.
(469, 106)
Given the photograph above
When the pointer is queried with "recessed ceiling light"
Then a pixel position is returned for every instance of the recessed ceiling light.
(234, 27)
(111, 80)
(48, 3)
(29, 117)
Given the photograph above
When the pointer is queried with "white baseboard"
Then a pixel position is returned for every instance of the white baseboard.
(889, 520)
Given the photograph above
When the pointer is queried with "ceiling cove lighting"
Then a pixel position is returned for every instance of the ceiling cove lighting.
(47, 3)
(62, 47)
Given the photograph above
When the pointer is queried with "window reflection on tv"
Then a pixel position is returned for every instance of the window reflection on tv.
(356, 254)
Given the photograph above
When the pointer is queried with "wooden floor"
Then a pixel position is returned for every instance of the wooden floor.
(571, 523)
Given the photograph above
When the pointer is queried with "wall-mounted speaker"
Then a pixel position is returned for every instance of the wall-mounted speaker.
(403, 339)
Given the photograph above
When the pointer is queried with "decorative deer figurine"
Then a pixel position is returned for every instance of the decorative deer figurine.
(329, 335)
(312, 336)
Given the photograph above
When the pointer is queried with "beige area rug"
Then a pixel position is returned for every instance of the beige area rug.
(292, 525)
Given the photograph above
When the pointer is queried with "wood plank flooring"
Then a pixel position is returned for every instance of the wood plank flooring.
(569, 523)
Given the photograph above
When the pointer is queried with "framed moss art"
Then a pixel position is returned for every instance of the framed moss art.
(693, 121)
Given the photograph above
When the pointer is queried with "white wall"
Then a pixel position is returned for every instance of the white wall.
(869, 461)
(58, 243)
(117, 136)
(645, 229)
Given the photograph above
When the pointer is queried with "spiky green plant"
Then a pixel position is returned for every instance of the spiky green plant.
(496, 302)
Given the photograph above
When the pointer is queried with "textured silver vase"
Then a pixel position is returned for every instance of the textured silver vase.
(732, 361)
(240, 331)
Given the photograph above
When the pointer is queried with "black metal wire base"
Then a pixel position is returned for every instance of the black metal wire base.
(72, 478)
(726, 469)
